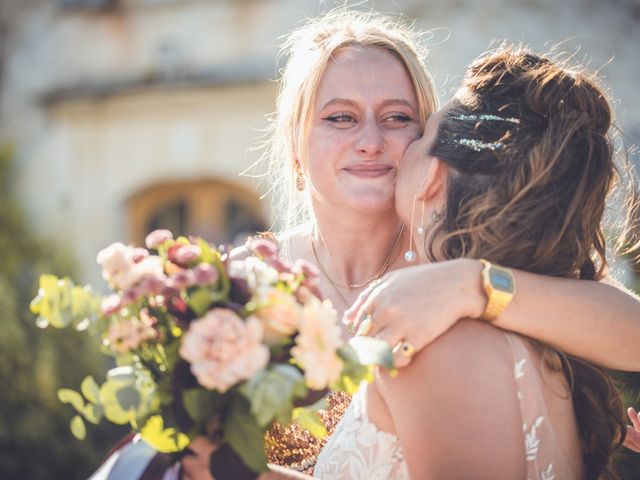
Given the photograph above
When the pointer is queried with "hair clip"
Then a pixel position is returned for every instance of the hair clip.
(478, 146)
(487, 117)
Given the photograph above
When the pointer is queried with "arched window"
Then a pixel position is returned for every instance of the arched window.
(218, 211)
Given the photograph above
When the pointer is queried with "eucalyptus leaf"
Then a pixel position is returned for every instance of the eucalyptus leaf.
(200, 300)
(372, 351)
(93, 413)
(200, 404)
(245, 436)
(66, 395)
(78, 428)
(166, 440)
(90, 389)
(272, 392)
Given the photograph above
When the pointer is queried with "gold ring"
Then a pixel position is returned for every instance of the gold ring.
(405, 348)
(366, 326)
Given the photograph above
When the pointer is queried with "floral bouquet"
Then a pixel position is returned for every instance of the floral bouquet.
(207, 345)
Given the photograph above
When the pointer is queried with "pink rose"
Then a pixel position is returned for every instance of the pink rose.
(224, 350)
(308, 269)
(263, 248)
(157, 237)
(182, 279)
(185, 254)
(206, 274)
(153, 284)
(126, 334)
(111, 304)
(138, 254)
(114, 259)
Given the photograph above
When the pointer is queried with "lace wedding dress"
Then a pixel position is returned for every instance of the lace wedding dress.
(359, 450)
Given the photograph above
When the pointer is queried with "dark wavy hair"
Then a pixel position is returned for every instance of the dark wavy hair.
(528, 145)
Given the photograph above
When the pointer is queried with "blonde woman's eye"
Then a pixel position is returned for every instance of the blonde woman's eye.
(340, 118)
(398, 118)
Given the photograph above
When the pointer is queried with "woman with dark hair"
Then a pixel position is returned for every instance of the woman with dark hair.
(515, 171)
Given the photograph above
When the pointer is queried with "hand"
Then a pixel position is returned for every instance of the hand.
(418, 304)
(632, 440)
(195, 466)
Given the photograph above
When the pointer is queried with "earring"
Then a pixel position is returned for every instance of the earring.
(437, 214)
(410, 255)
(300, 182)
(421, 228)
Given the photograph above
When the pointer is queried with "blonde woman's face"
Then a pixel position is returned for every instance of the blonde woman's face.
(364, 117)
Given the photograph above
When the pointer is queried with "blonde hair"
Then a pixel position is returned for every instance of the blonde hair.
(308, 51)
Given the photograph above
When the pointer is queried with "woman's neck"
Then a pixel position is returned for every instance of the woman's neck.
(354, 248)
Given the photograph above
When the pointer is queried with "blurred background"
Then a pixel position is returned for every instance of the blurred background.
(121, 116)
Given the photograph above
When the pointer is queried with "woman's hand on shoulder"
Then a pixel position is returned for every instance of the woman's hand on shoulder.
(418, 304)
(632, 440)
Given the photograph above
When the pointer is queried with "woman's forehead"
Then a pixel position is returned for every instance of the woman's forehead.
(365, 74)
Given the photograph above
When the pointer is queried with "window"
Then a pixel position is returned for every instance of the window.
(219, 212)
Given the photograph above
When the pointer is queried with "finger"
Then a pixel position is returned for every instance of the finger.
(634, 417)
(350, 313)
(394, 337)
(632, 439)
(367, 306)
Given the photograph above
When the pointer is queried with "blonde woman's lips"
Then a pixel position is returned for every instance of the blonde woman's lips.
(369, 171)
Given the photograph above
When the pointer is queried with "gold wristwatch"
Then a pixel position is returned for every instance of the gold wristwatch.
(500, 285)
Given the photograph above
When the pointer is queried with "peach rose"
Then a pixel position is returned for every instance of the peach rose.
(279, 316)
(223, 349)
(317, 344)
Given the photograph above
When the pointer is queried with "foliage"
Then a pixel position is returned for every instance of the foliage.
(205, 345)
(35, 442)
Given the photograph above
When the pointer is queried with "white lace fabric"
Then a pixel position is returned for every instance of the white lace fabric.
(358, 450)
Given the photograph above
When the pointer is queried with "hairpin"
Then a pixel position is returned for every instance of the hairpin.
(478, 145)
(487, 117)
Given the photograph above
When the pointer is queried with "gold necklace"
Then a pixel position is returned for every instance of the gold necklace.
(377, 275)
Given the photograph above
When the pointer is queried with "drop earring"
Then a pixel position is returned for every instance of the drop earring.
(421, 229)
(300, 182)
(411, 256)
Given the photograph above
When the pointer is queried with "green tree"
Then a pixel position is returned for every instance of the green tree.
(35, 440)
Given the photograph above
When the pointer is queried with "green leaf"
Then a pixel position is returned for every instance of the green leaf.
(93, 413)
(200, 300)
(372, 351)
(245, 435)
(66, 395)
(90, 389)
(166, 440)
(78, 428)
(311, 421)
(272, 392)
(200, 404)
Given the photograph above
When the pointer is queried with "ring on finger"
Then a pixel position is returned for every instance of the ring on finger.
(366, 326)
(405, 348)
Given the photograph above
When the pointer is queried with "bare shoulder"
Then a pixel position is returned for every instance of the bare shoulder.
(462, 389)
(469, 348)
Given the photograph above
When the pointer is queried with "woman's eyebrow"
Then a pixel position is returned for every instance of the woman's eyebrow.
(339, 101)
(385, 103)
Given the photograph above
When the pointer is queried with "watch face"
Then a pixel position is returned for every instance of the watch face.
(501, 280)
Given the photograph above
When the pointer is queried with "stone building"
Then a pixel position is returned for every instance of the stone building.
(126, 115)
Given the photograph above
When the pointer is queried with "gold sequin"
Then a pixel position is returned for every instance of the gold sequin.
(294, 447)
